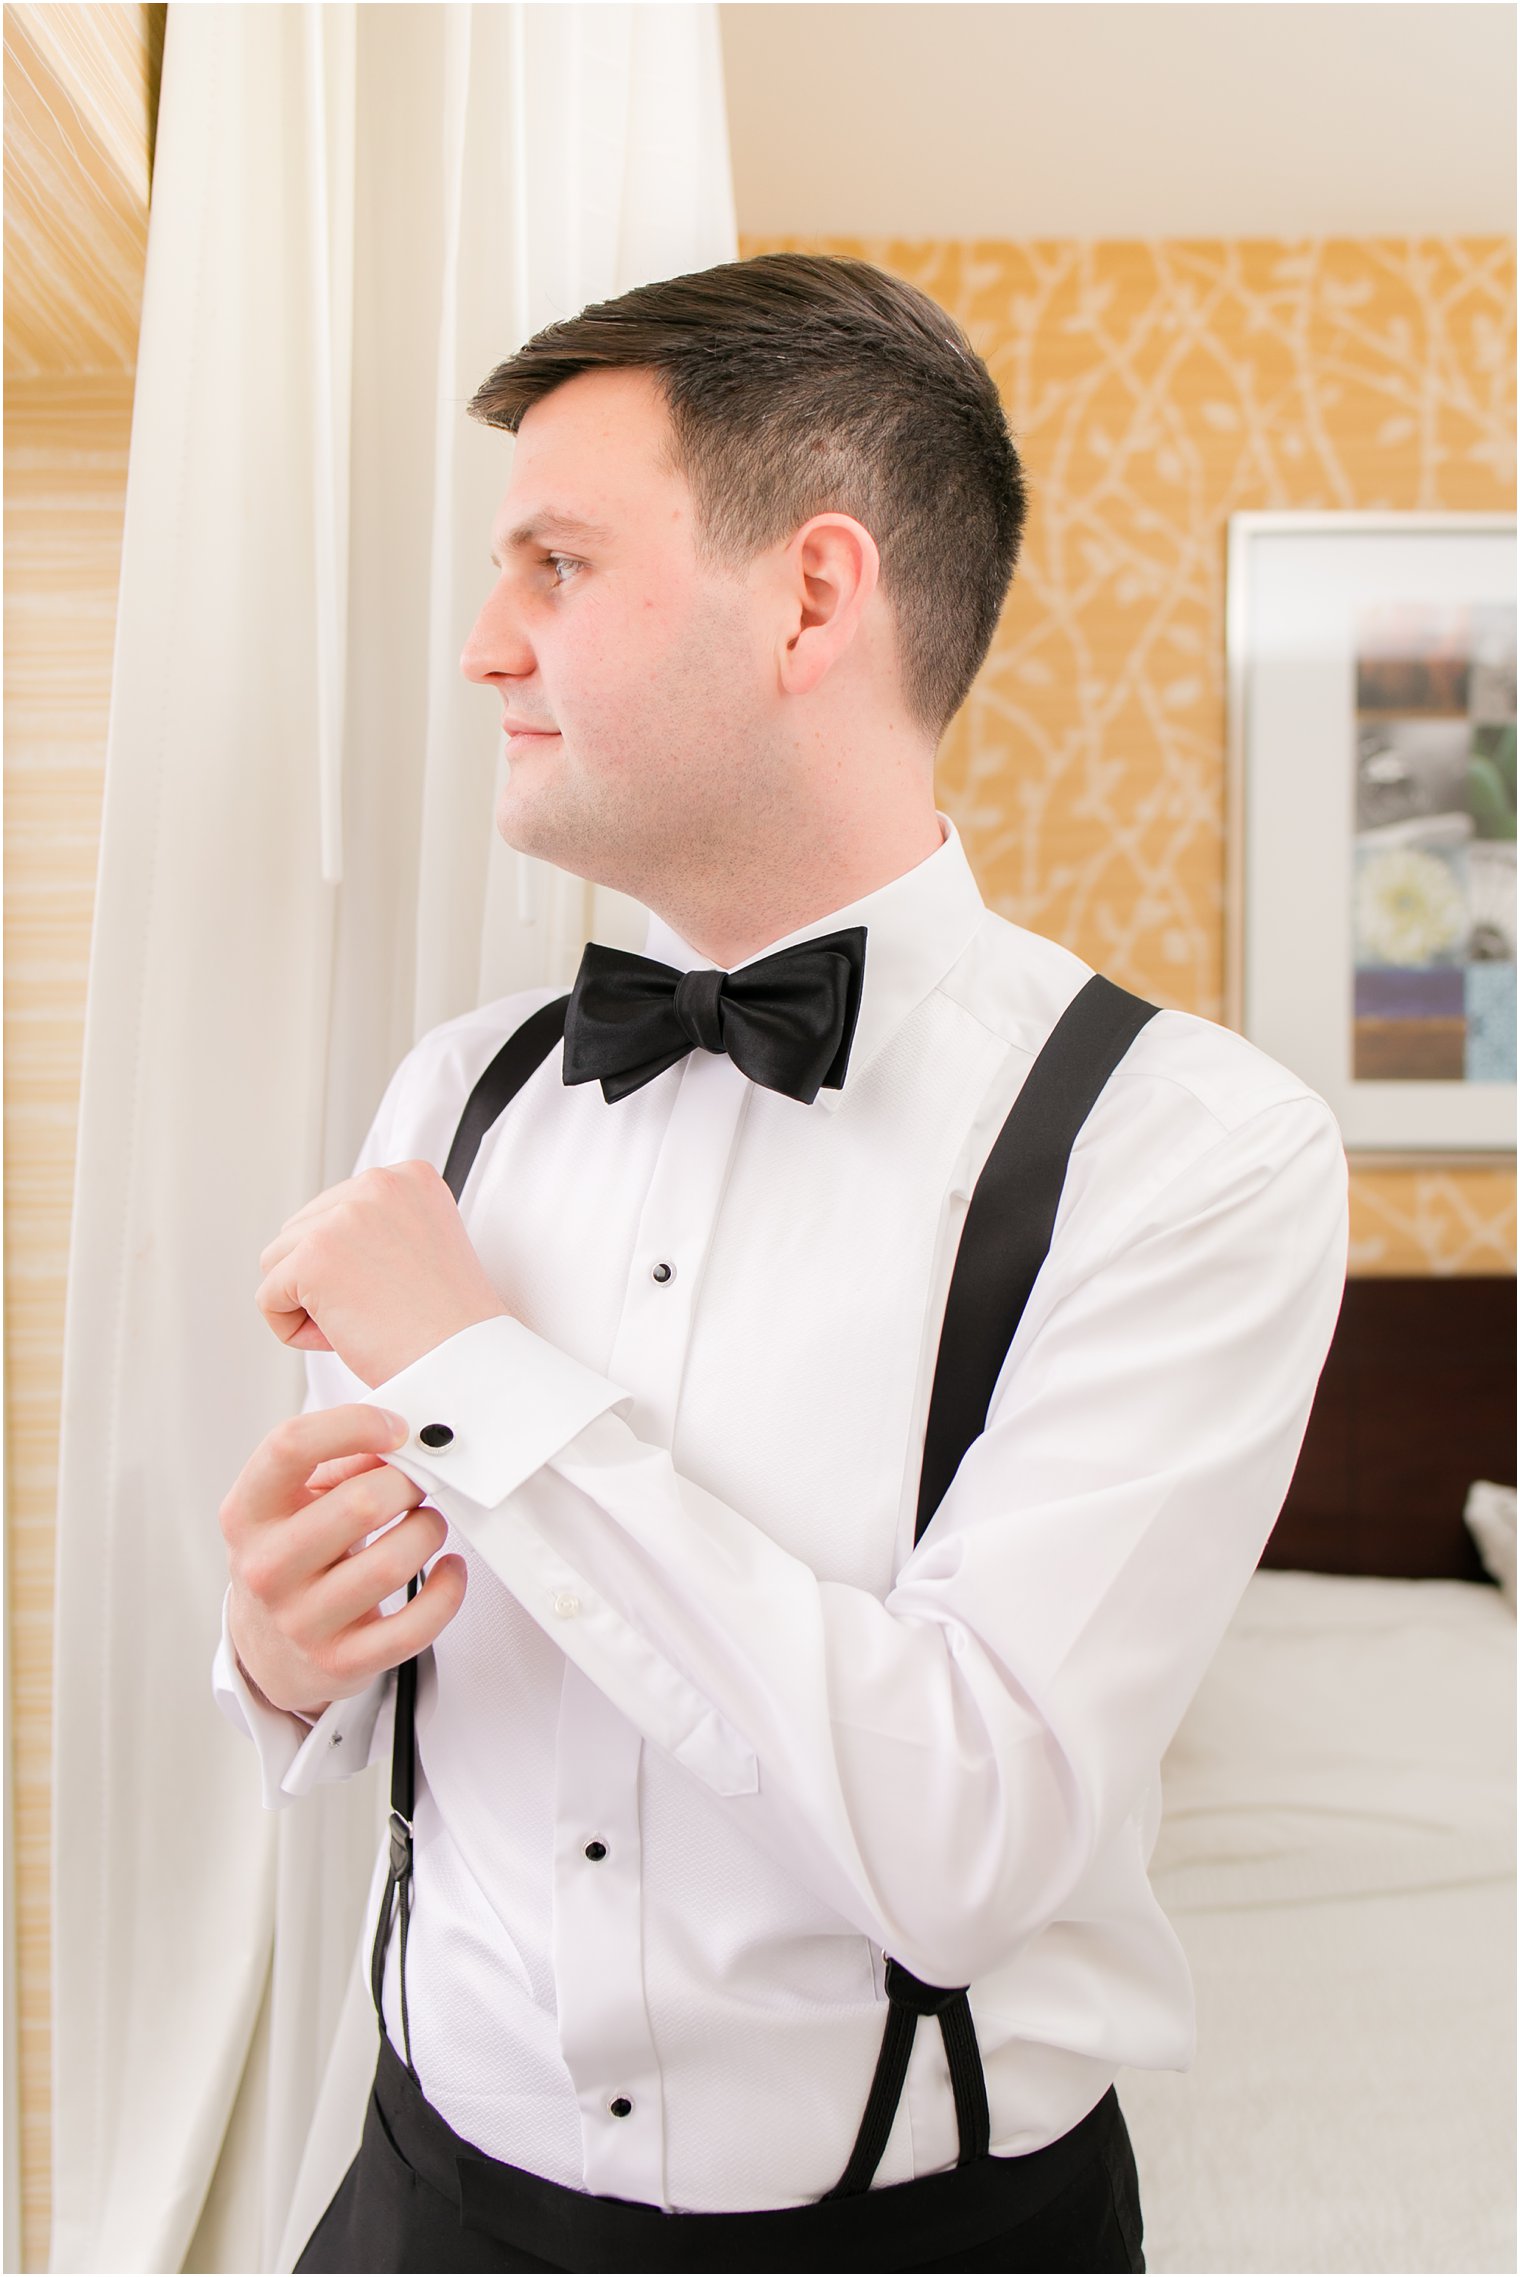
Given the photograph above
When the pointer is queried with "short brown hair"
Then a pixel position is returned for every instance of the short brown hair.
(806, 383)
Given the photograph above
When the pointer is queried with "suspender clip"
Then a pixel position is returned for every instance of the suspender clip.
(909, 1991)
(401, 1845)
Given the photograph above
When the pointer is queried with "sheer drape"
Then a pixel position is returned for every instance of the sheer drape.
(357, 211)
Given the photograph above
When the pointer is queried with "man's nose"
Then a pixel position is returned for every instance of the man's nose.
(496, 645)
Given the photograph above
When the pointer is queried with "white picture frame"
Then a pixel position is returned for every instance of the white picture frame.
(1358, 907)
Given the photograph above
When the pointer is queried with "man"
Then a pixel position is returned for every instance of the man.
(722, 1785)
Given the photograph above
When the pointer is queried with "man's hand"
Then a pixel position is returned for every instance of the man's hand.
(306, 1591)
(378, 1269)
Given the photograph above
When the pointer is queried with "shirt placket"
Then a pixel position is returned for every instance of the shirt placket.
(605, 2023)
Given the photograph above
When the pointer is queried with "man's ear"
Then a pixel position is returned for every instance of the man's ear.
(830, 569)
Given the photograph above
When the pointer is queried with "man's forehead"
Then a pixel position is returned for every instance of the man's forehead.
(517, 527)
(611, 429)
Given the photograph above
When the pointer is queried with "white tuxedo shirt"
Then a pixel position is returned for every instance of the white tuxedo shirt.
(696, 1636)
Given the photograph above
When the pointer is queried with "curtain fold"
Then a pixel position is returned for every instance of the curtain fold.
(330, 95)
(357, 211)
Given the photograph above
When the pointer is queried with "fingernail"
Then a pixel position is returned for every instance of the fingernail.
(398, 1423)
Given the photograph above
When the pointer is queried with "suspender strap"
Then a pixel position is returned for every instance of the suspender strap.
(907, 2000)
(398, 1883)
(1010, 1219)
(1004, 1242)
(522, 1052)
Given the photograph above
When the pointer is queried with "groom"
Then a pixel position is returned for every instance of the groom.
(835, 1375)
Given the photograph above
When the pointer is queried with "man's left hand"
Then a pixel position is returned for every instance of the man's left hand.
(378, 1269)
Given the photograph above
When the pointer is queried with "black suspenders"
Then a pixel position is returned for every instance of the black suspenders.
(501, 1081)
(1003, 1244)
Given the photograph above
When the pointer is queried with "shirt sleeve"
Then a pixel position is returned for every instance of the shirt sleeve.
(532, 1418)
(295, 1754)
(944, 1765)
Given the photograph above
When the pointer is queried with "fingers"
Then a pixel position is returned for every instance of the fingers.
(308, 1580)
(291, 1323)
(272, 1483)
(337, 1469)
(347, 1190)
(384, 1640)
(285, 1240)
(355, 1587)
(338, 1522)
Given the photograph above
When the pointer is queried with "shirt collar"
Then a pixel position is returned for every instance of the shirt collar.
(916, 927)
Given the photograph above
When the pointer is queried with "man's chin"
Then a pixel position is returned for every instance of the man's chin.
(515, 827)
(531, 822)
(569, 841)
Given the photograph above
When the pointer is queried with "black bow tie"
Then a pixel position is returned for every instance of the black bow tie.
(785, 1021)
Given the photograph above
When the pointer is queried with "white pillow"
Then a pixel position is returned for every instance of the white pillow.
(1490, 1515)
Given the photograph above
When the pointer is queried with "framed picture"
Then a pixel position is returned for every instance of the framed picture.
(1371, 821)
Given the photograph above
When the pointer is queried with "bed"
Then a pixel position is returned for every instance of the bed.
(1337, 1848)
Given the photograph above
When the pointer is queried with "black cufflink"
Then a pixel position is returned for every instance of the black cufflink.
(435, 1434)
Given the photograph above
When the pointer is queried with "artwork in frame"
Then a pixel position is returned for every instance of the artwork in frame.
(1371, 821)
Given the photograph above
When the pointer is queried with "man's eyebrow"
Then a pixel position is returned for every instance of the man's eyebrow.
(550, 525)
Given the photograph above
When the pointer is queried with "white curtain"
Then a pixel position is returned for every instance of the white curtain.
(357, 211)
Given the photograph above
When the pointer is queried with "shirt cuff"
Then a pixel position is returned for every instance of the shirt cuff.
(507, 1401)
(294, 1755)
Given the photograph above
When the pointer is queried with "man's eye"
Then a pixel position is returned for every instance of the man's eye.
(555, 558)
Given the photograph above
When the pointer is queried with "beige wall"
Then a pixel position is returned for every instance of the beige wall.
(937, 119)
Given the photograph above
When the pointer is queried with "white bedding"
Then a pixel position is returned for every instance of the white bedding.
(1337, 1855)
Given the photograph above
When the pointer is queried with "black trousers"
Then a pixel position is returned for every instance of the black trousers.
(418, 2197)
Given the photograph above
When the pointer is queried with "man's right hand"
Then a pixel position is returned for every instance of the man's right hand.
(306, 1590)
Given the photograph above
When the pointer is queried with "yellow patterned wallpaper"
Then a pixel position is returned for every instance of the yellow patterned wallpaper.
(1154, 389)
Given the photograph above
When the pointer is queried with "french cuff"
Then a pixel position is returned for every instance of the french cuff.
(294, 1755)
(488, 1407)
(340, 1742)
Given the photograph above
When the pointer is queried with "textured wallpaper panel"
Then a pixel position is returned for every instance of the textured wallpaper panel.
(77, 93)
(65, 487)
(1154, 389)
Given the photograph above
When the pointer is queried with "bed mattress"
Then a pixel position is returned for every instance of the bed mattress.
(1337, 1854)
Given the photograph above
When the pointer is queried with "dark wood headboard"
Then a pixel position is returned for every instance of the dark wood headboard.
(1417, 1400)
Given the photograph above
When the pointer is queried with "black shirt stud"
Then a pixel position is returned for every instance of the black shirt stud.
(435, 1434)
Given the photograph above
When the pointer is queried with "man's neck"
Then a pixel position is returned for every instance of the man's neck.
(743, 920)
